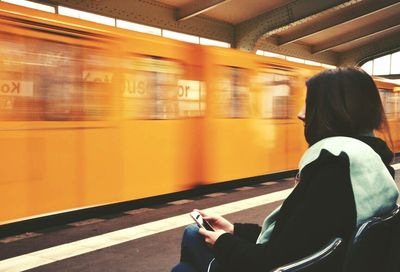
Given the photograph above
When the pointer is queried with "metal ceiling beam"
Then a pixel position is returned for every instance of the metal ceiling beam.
(368, 8)
(252, 31)
(197, 7)
(380, 27)
(369, 51)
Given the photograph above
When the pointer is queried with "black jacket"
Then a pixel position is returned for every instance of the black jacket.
(320, 208)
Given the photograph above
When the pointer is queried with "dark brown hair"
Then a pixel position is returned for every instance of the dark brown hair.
(342, 102)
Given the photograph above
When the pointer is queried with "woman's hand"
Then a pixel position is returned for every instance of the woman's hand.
(210, 236)
(217, 222)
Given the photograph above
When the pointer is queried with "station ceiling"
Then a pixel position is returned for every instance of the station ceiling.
(332, 31)
(232, 12)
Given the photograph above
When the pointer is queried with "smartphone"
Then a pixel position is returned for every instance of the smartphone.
(200, 221)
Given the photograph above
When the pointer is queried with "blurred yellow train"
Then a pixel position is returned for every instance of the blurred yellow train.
(93, 115)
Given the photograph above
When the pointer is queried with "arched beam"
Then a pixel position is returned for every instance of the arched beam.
(346, 17)
(366, 52)
(251, 31)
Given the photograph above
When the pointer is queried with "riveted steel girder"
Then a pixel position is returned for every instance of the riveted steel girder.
(360, 54)
(251, 31)
(345, 18)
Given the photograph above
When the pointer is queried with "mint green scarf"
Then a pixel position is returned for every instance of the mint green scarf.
(375, 191)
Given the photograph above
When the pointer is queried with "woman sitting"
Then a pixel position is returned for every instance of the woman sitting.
(344, 180)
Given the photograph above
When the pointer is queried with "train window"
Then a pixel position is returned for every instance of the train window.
(137, 100)
(166, 76)
(62, 93)
(50, 81)
(274, 97)
(151, 88)
(391, 103)
(97, 77)
(191, 98)
(38, 79)
(16, 91)
(232, 97)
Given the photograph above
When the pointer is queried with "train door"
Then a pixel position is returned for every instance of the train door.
(162, 104)
(391, 104)
(234, 141)
(276, 102)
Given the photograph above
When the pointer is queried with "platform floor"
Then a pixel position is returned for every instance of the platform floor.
(138, 244)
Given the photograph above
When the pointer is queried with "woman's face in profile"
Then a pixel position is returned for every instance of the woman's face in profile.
(302, 114)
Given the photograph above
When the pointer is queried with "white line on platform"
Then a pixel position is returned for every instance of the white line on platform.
(57, 253)
(396, 166)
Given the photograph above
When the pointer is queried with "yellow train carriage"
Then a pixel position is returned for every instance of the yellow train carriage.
(88, 114)
(251, 127)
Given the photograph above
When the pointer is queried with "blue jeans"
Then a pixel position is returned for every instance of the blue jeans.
(195, 254)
